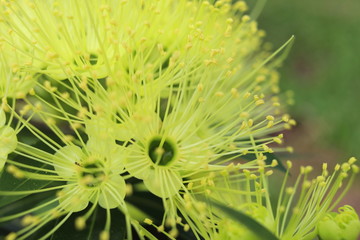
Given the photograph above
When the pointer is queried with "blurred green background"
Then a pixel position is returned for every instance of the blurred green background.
(323, 70)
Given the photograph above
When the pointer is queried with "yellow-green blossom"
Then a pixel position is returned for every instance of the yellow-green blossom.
(169, 93)
(299, 210)
(82, 174)
(338, 226)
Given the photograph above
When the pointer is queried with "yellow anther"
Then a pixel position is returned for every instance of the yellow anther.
(159, 151)
(129, 189)
(65, 95)
(178, 220)
(244, 115)
(352, 160)
(308, 169)
(219, 94)
(161, 228)
(148, 221)
(270, 124)
(270, 118)
(234, 92)
(174, 232)
(211, 61)
(32, 92)
(224, 173)
(296, 210)
(247, 95)
(229, 21)
(306, 184)
(282, 209)
(337, 167)
(28, 219)
(320, 179)
(51, 55)
(230, 60)
(274, 163)
(277, 140)
(80, 223)
(289, 164)
(245, 18)
(186, 227)
(250, 123)
(286, 118)
(345, 167)
(50, 121)
(11, 236)
(188, 45)
(241, 6)
(259, 102)
(219, 3)
(104, 235)
(260, 78)
(68, 138)
(292, 122)
(214, 52)
(253, 176)
(290, 190)
(290, 149)
(276, 104)
(25, 109)
(324, 166)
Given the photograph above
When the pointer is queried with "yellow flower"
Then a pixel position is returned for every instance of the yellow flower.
(342, 225)
(163, 91)
(83, 174)
(301, 211)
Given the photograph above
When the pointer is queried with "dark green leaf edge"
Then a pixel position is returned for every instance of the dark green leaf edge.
(245, 220)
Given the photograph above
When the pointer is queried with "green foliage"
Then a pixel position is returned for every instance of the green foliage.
(242, 218)
(92, 231)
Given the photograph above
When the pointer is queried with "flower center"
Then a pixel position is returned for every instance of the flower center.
(92, 174)
(162, 152)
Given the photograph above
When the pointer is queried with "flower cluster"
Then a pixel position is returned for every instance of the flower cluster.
(173, 102)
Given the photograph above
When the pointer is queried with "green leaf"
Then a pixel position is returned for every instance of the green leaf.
(27, 203)
(148, 203)
(10, 183)
(242, 218)
(95, 225)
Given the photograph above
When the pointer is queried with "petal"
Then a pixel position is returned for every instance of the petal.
(116, 159)
(113, 154)
(74, 198)
(137, 163)
(2, 117)
(163, 182)
(8, 140)
(113, 193)
(65, 160)
(99, 146)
